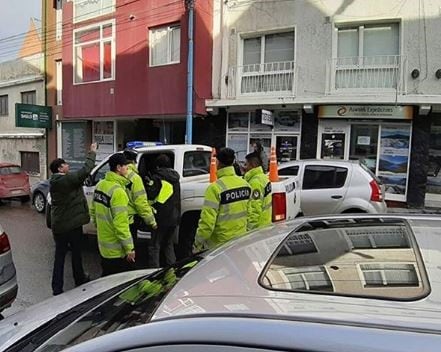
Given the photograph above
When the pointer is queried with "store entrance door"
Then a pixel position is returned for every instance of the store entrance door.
(286, 148)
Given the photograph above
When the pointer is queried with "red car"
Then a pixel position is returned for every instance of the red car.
(13, 182)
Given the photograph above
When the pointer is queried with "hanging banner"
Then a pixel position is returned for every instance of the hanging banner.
(394, 159)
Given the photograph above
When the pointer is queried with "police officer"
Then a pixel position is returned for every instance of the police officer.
(224, 213)
(109, 212)
(164, 192)
(139, 208)
(260, 204)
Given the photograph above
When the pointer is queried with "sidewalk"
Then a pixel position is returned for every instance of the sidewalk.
(425, 210)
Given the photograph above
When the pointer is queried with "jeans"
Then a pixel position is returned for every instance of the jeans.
(161, 251)
(63, 242)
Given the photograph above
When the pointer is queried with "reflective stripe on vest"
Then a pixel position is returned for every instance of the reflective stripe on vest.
(165, 193)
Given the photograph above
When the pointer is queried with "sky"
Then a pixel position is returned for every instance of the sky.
(14, 19)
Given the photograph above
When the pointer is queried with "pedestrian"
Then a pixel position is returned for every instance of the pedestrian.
(139, 208)
(224, 213)
(69, 212)
(110, 214)
(164, 191)
(260, 204)
(258, 148)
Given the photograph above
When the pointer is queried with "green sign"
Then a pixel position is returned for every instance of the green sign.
(34, 116)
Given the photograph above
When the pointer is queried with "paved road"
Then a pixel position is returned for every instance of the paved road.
(33, 252)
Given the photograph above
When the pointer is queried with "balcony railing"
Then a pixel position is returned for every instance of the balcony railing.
(31, 67)
(274, 78)
(366, 74)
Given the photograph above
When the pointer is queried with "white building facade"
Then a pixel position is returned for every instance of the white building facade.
(22, 81)
(346, 79)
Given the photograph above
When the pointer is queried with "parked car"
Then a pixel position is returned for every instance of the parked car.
(336, 186)
(8, 278)
(13, 182)
(39, 193)
(359, 282)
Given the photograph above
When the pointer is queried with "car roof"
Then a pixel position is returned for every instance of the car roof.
(8, 164)
(183, 147)
(227, 281)
(320, 161)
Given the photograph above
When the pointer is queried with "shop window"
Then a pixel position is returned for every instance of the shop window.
(94, 53)
(4, 109)
(165, 45)
(364, 145)
(86, 9)
(317, 177)
(30, 162)
(29, 97)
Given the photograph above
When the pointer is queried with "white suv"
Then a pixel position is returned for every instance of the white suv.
(336, 186)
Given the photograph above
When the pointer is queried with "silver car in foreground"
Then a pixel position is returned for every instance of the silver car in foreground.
(341, 283)
(336, 186)
(8, 278)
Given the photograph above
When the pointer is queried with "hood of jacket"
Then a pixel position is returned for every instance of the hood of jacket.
(114, 177)
(168, 175)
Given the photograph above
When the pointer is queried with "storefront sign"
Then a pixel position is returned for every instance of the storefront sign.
(266, 117)
(366, 111)
(34, 116)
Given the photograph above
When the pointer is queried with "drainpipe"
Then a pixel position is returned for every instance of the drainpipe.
(190, 73)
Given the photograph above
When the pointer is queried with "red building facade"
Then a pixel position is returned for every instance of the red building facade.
(125, 62)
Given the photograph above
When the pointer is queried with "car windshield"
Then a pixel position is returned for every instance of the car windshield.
(132, 306)
(9, 170)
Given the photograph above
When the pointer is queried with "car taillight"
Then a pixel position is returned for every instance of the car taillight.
(279, 206)
(376, 195)
(4, 243)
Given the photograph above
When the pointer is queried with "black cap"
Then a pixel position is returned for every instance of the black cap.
(117, 159)
(130, 154)
(226, 156)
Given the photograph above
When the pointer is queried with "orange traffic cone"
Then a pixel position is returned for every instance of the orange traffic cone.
(273, 169)
(213, 166)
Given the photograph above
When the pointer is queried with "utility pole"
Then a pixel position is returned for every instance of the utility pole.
(190, 73)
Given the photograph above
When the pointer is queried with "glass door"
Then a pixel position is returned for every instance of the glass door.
(286, 148)
(364, 145)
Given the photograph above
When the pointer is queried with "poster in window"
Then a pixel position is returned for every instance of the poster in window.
(74, 143)
(394, 158)
(238, 142)
(288, 121)
(433, 173)
(333, 145)
(103, 134)
(238, 121)
(286, 148)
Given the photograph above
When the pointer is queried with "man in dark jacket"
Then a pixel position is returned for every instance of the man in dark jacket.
(164, 192)
(69, 212)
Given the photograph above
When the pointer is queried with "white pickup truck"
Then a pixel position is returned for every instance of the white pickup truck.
(192, 162)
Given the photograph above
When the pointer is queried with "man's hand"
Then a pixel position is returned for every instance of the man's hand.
(93, 147)
(155, 226)
(131, 257)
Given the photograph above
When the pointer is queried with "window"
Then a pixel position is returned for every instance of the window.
(165, 45)
(58, 19)
(289, 171)
(29, 97)
(317, 257)
(59, 82)
(4, 110)
(196, 163)
(30, 162)
(268, 63)
(317, 177)
(94, 53)
(10, 170)
(368, 56)
(87, 9)
(378, 275)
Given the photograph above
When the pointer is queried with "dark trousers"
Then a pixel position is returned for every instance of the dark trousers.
(115, 265)
(63, 242)
(161, 251)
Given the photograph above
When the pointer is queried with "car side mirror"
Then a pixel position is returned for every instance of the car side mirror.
(89, 181)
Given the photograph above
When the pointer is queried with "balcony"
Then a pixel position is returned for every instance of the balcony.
(274, 78)
(366, 75)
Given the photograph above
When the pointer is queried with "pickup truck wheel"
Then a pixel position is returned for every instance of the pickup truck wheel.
(187, 231)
